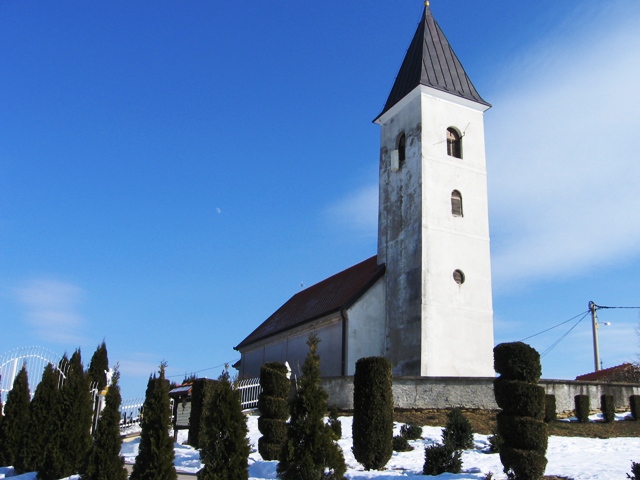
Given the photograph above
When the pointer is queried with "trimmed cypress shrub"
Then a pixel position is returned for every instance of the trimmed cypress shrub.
(524, 433)
(517, 361)
(223, 435)
(104, 461)
(457, 434)
(634, 404)
(635, 471)
(16, 418)
(440, 459)
(372, 412)
(274, 410)
(520, 424)
(550, 413)
(582, 408)
(310, 452)
(411, 431)
(155, 455)
(608, 408)
(517, 397)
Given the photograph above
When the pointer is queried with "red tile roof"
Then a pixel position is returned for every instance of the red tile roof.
(617, 373)
(330, 295)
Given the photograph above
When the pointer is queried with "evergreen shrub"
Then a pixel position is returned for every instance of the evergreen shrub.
(223, 434)
(635, 471)
(582, 408)
(104, 461)
(495, 442)
(439, 459)
(155, 454)
(401, 444)
(335, 424)
(517, 361)
(517, 397)
(199, 391)
(524, 433)
(523, 464)
(411, 431)
(16, 418)
(520, 424)
(634, 404)
(372, 412)
(550, 413)
(274, 409)
(457, 434)
(608, 408)
(310, 452)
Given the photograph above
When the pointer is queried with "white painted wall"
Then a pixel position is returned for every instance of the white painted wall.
(461, 314)
(436, 327)
(365, 326)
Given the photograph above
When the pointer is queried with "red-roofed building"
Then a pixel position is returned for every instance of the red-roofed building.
(625, 373)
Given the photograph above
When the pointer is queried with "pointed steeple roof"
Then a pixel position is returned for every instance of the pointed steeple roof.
(431, 61)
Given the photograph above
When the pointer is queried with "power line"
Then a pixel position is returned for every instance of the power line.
(600, 306)
(555, 326)
(554, 344)
(204, 369)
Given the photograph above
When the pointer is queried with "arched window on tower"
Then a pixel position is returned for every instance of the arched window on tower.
(402, 148)
(456, 203)
(454, 143)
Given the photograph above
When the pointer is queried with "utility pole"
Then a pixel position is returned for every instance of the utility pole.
(596, 348)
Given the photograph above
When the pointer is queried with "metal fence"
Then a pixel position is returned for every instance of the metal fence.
(249, 391)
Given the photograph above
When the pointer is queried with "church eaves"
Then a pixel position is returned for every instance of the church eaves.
(431, 61)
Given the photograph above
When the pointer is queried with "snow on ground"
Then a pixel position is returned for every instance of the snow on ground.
(573, 457)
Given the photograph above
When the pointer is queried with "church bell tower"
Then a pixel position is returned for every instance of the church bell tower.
(433, 226)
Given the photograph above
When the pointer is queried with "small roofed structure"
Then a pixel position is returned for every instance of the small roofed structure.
(339, 310)
(187, 407)
(625, 373)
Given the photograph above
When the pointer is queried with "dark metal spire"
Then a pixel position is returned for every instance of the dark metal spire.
(431, 61)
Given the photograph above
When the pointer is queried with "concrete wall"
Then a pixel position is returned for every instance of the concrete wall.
(474, 392)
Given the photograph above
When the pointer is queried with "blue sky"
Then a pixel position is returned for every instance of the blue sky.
(172, 172)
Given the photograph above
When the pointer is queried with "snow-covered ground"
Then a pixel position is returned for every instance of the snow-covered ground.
(573, 457)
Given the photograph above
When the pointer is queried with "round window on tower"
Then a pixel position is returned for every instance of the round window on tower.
(458, 277)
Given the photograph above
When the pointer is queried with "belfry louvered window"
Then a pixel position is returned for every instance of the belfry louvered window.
(402, 148)
(456, 203)
(454, 143)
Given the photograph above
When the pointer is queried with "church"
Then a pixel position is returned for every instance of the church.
(424, 300)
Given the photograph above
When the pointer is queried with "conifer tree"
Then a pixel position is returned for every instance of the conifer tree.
(70, 435)
(104, 461)
(77, 413)
(223, 434)
(310, 452)
(53, 461)
(98, 367)
(155, 457)
(40, 420)
(16, 417)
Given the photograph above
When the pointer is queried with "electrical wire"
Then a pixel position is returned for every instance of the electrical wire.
(554, 344)
(555, 326)
(203, 370)
(599, 307)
